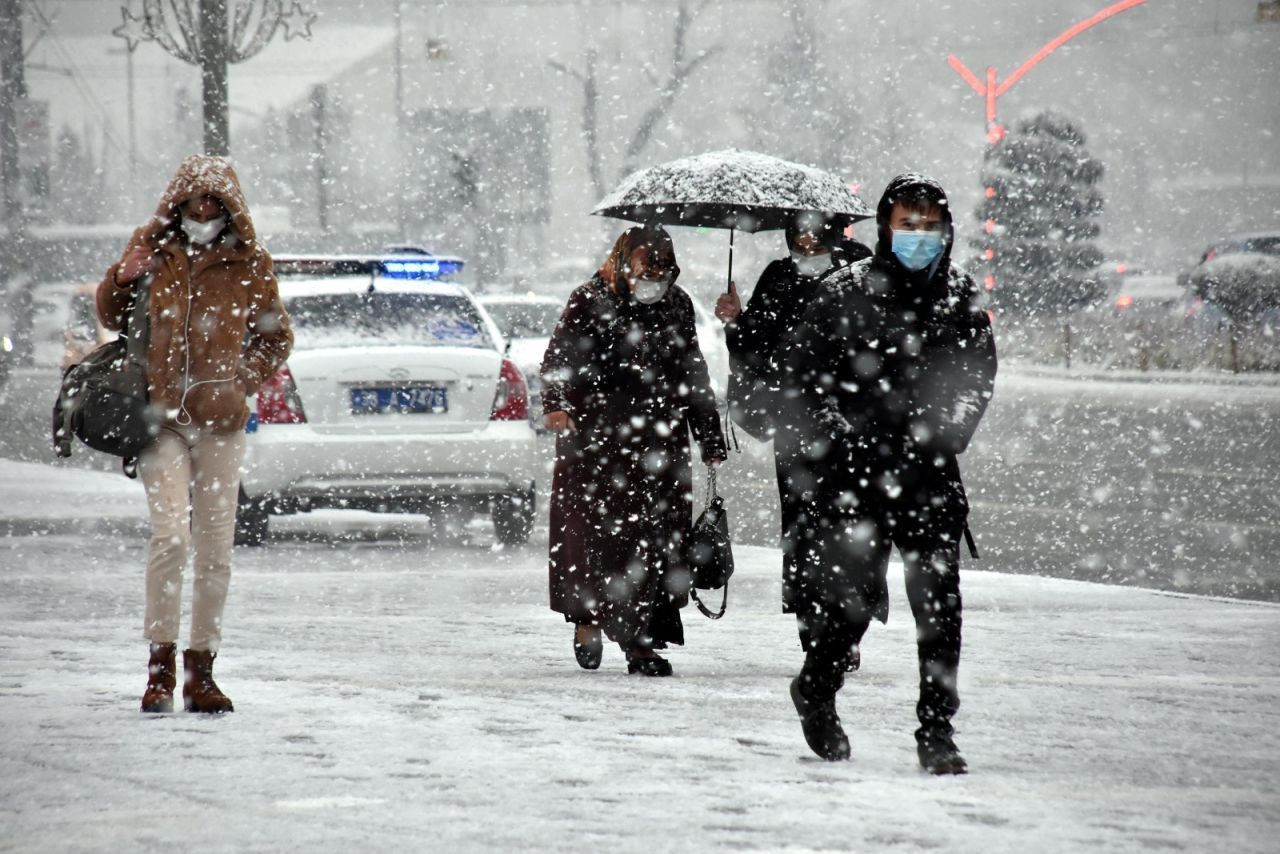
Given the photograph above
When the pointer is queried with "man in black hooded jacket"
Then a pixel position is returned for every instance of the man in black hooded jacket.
(893, 366)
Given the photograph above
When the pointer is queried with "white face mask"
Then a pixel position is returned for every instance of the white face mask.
(811, 265)
(203, 232)
(649, 291)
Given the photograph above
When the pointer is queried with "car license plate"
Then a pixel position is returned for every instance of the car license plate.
(413, 400)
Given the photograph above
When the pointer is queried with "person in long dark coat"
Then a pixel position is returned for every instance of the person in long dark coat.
(896, 363)
(624, 384)
(759, 398)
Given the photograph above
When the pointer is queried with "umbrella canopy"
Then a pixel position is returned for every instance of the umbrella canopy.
(731, 189)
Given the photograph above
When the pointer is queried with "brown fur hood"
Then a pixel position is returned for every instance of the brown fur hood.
(218, 330)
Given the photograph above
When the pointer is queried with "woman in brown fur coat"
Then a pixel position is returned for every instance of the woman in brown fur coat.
(217, 332)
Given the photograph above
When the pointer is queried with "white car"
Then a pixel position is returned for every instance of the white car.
(396, 397)
(526, 322)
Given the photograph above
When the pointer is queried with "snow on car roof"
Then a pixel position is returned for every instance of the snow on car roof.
(516, 299)
(296, 286)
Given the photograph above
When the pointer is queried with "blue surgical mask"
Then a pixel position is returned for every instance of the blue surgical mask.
(916, 250)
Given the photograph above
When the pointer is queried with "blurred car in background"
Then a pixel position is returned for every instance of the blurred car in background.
(49, 325)
(83, 333)
(526, 322)
(397, 397)
(1237, 279)
(1146, 294)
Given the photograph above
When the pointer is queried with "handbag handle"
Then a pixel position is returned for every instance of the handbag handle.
(711, 487)
(706, 612)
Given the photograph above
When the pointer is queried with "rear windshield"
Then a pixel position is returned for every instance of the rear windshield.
(383, 319)
(525, 319)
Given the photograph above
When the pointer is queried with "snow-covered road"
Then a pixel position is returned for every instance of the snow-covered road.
(398, 689)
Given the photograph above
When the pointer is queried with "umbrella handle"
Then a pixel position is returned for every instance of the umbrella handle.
(731, 231)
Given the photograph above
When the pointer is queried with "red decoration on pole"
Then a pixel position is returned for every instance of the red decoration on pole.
(992, 90)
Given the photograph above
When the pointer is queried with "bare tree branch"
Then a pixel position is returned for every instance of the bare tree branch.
(590, 111)
(564, 69)
(682, 70)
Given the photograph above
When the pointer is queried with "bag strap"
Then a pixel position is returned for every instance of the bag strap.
(712, 492)
(136, 329)
(968, 538)
(728, 426)
(706, 612)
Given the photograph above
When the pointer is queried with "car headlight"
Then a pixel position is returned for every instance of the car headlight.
(6, 343)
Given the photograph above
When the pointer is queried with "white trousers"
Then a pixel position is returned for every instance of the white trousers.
(192, 479)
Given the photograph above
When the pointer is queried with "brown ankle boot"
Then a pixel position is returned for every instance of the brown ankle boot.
(199, 692)
(160, 679)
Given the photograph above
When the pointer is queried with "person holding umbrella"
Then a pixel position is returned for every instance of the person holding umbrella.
(624, 384)
(761, 400)
(895, 362)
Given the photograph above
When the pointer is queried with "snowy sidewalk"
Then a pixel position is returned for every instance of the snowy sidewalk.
(396, 690)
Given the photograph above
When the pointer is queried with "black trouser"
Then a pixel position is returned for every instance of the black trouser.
(930, 547)
(796, 484)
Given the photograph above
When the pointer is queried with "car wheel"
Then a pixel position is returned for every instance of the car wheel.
(252, 520)
(513, 518)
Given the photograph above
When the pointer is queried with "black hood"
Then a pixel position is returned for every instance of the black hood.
(906, 185)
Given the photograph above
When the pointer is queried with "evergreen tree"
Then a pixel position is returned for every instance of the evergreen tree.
(1039, 239)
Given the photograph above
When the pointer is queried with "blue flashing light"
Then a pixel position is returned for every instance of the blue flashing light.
(421, 268)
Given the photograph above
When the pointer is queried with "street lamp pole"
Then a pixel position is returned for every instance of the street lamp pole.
(992, 88)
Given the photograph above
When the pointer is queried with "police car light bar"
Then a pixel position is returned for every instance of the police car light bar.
(420, 268)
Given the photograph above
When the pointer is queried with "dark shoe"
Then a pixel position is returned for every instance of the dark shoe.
(821, 725)
(199, 692)
(652, 665)
(589, 653)
(158, 698)
(939, 755)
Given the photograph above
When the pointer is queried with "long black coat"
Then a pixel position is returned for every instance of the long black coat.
(634, 381)
(895, 371)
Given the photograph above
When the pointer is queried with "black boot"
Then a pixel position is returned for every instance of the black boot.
(648, 665)
(590, 652)
(820, 723)
(938, 753)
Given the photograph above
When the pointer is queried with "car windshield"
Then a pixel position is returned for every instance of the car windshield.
(525, 319)
(385, 319)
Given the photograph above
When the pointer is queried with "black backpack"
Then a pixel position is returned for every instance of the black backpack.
(103, 401)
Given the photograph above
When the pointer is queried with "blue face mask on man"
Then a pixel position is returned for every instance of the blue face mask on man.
(916, 250)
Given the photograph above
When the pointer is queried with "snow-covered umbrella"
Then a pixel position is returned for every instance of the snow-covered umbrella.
(731, 189)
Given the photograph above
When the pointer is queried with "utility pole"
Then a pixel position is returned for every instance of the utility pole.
(318, 96)
(213, 76)
(13, 90)
(402, 160)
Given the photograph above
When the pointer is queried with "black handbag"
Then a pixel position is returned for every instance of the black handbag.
(103, 401)
(709, 550)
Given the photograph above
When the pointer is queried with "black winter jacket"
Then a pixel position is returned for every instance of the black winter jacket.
(892, 368)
